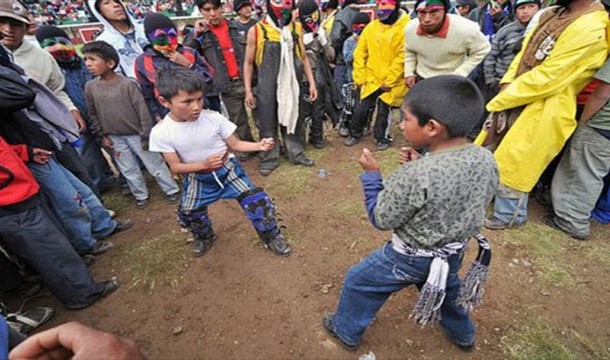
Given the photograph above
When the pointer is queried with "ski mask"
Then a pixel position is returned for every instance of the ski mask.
(360, 21)
(162, 33)
(280, 11)
(57, 43)
(309, 15)
(387, 11)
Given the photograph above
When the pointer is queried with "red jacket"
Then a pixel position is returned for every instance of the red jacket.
(17, 183)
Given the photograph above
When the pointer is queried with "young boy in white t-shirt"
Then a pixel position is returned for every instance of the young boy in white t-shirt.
(195, 144)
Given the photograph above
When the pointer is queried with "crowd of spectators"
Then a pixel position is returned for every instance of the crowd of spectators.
(64, 12)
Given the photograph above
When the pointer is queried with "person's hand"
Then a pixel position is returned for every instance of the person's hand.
(384, 88)
(41, 156)
(82, 126)
(201, 26)
(107, 143)
(214, 162)
(179, 59)
(410, 81)
(407, 154)
(250, 100)
(313, 93)
(367, 161)
(267, 144)
(76, 341)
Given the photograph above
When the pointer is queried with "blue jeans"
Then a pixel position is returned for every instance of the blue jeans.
(510, 206)
(370, 283)
(127, 149)
(79, 211)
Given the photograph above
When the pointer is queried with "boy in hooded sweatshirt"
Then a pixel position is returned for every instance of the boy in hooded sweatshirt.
(124, 33)
(57, 43)
(164, 51)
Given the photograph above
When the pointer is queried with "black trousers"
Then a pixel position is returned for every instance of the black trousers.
(382, 121)
(10, 279)
(35, 238)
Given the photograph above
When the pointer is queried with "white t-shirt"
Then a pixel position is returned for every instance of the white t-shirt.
(193, 141)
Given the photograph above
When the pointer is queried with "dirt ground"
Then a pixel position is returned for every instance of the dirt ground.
(547, 297)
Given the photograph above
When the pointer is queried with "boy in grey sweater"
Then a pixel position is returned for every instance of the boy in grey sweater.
(507, 43)
(433, 203)
(120, 117)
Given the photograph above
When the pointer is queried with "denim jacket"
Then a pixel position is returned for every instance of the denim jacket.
(208, 46)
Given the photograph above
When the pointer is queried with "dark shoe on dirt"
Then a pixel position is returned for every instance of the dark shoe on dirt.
(493, 223)
(141, 204)
(173, 198)
(303, 160)
(106, 288)
(31, 319)
(382, 146)
(268, 169)
(343, 131)
(327, 321)
(276, 243)
(203, 245)
(88, 259)
(100, 247)
(351, 141)
(318, 143)
(550, 221)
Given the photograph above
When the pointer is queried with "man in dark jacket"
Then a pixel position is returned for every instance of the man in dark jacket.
(220, 42)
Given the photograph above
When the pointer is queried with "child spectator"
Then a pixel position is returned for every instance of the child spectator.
(194, 143)
(119, 117)
(57, 43)
(348, 91)
(506, 44)
(433, 204)
(124, 33)
(165, 51)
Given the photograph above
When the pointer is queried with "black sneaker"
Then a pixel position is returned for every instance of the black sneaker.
(268, 169)
(351, 141)
(343, 131)
(382, 146)
(173, 198)
(276, 243)
(203, 245)
(141, 204)
(303, 160)
(100, 247)
(327, 321)
(106, 288)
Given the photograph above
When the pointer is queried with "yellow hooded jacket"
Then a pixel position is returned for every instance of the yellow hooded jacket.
(379, 59)
(548, 92)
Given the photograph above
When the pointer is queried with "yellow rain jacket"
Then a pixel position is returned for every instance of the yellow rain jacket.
(379, 59)
(548, 92)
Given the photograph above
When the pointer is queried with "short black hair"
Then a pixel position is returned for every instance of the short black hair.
(103, 50)
(215, 3)
(452, 100)
(173, 78)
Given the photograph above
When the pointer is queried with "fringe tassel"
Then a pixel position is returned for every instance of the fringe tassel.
(471, 291)
(428, 307)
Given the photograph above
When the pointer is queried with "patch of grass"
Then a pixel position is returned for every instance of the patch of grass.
(595, 350)
(545, 248)
(388, 160)
(117, 202)
(537, 340)
(290, 180)
(154, 262)
(349, 209)
(599, 252)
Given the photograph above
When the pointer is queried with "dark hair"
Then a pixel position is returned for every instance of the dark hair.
(215, 3)
(452, 100)
(171, 79)
(103, 50)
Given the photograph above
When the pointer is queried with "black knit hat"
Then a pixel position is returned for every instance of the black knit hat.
(156, 21)
(49, 31)
(361, 18)
(307, 7)
(453, 100)
(238, 4)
